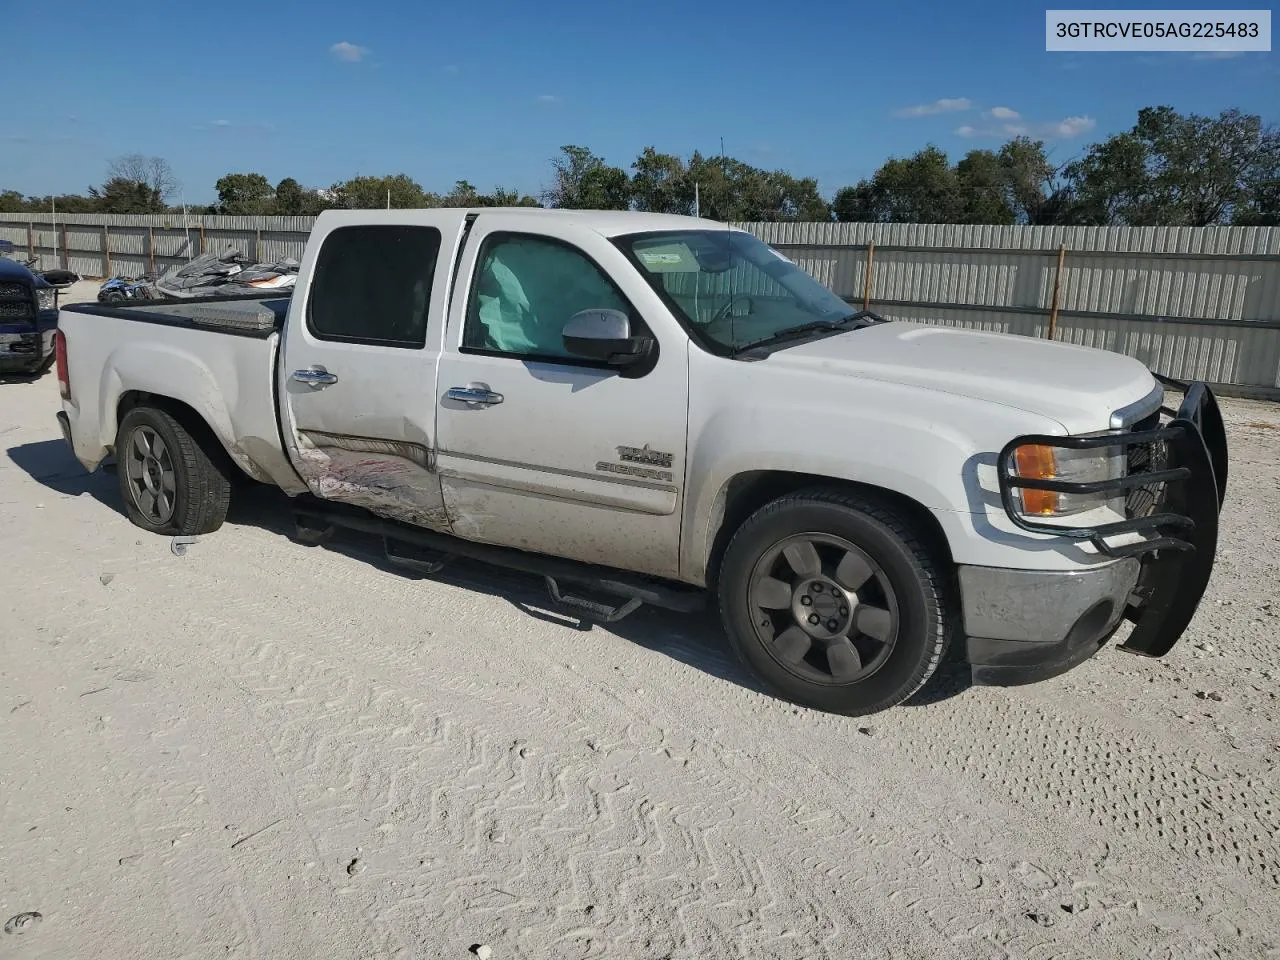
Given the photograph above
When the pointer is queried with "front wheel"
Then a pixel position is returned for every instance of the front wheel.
(835, 602)
(170, 483)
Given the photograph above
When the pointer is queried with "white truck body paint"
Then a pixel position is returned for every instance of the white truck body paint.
(921, 411)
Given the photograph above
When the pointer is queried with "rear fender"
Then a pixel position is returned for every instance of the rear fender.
(169, 372)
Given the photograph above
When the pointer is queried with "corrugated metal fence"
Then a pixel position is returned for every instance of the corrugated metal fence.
(1192, 303)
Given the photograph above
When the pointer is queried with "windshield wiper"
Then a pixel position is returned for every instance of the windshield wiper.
(854, 320)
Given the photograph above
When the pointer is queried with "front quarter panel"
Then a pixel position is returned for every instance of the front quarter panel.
(937, 449)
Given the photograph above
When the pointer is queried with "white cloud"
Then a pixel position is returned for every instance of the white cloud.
(945, 105)
(1004, 113)
(219, 123)
(451, 68)
(1217, 54)
(1074, 126)
(548, 98)
(1065, 129)
(349, 52)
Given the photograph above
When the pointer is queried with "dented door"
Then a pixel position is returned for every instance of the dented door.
(358, 371)
(543, 451)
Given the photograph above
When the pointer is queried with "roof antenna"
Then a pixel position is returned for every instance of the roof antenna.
(728, 231)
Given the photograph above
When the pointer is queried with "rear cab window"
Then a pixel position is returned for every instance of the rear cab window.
(372, 285)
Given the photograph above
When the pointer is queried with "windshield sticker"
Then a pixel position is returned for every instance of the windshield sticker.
(668, 258)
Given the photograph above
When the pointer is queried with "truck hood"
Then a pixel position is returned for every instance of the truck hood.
(1078, 387)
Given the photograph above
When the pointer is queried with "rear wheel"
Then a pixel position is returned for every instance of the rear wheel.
(170, 483)
(835, 602)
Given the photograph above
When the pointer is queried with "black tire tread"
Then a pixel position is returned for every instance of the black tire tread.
(204, 477)
(930, 569)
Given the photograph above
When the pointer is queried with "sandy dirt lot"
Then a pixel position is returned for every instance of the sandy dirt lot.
(262, 750)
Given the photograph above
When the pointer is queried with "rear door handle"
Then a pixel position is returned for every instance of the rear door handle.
(475, 394)
(313, 377)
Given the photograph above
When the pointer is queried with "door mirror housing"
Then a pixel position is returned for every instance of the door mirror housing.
(605, 335)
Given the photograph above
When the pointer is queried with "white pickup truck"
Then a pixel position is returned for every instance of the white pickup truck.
(659, 409)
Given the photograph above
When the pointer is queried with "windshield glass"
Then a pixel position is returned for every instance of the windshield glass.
(731, 288)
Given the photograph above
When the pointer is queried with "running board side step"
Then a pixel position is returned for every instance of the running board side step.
(632, 589)
(590, 609)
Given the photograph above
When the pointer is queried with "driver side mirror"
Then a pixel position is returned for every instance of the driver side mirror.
(605, 335)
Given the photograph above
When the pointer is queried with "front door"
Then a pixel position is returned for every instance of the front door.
(543, 451)
(357, 378)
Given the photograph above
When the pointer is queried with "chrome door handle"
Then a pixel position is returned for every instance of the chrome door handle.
(314, 378)
(476, 394)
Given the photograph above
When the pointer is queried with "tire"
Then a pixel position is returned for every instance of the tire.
(197, 480)
(897, 619)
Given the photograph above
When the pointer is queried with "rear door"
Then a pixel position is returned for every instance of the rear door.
(357, 380)
(556, 454)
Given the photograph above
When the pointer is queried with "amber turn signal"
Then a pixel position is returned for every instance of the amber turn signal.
(1037, 462)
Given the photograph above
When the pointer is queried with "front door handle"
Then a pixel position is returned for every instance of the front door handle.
(314, 377)
(475, 394)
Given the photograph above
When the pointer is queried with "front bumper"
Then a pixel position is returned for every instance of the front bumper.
(22, 351)
(1023, 626)
(1031, 625)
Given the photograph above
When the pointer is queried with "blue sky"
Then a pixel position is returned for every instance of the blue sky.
(488, 91)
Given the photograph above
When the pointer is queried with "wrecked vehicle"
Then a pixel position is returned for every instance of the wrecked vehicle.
(28, 317)
(658, 409)
(225, 274)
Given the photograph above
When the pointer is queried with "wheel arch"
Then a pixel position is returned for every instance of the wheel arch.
(190, 418)
(747, 492)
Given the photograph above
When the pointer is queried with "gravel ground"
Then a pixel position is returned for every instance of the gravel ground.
(263, 750)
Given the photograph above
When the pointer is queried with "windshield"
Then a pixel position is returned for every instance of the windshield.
(731, 288)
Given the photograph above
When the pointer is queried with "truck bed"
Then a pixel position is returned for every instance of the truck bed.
(257, 315)
(117, 353)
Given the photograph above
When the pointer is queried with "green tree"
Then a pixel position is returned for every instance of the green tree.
(922, 188)
(856, 204)
(722, 188)
(293, 200)
(1176, 170)
(371, 193)
(1012, 185)
(982, 189)
(502, 197)
(604, 188)
(1262, 207)
(584, 181)
(244, 194)
(661, 183)
(121, 195)
(152, 172)
(463, 194)
(1030, 191)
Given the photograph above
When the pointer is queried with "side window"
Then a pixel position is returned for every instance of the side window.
(525, 289)
(372, 284)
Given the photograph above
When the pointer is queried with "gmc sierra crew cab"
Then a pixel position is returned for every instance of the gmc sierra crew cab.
(659, 409)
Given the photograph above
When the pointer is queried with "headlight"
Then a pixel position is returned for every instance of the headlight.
(47, 298)
(1033, 461)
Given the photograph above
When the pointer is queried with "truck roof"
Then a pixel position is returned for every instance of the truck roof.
(608, 223)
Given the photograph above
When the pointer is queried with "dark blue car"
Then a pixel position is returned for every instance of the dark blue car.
(28, 318)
